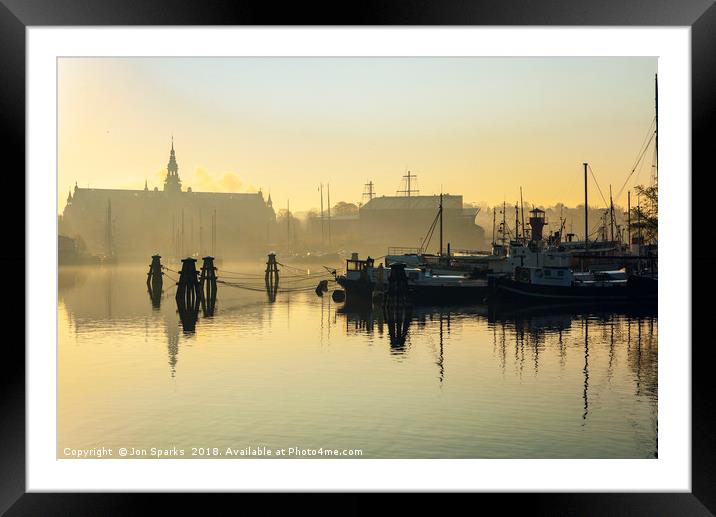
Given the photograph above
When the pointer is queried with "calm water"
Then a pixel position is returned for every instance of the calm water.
(304, 373)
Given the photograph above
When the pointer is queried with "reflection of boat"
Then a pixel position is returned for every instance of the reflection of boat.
(362, 279)
(561, 283)
(553, 310)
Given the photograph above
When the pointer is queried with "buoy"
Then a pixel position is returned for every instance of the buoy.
(338, 295)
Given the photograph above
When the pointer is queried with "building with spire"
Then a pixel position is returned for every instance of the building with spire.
(175, 221)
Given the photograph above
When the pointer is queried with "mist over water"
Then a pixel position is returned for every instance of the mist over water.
(305, 372)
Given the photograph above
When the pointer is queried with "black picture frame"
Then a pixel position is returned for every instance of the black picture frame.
(700, 15)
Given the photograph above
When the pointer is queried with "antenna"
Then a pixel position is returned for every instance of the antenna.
(368, 192)
(407, 182)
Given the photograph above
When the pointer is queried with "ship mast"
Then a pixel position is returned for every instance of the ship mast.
(441, 224)
(586, 213)
(656, 128)
(522, 209)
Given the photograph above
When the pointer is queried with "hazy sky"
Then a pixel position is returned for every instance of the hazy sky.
(481, 127)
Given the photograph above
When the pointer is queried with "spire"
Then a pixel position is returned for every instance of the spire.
(69, 197)
(172, 181)
(145, 185)
(269, 203)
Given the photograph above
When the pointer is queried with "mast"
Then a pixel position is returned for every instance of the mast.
(656, 127)
(329, 215)
(108, 229)
(522, 209)
(504, 207)
(213, 234)
(441, 224)
(586, 213)
(517, 221)
(323, 231)
(288, 226)
(611, 213)
(201, 236)
(629, 216)
(494, 215)
(638, 221)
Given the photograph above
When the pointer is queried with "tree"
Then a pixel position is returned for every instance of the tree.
(343, 208)
(645, 216)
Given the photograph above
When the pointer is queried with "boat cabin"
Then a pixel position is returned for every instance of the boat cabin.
(546, 275)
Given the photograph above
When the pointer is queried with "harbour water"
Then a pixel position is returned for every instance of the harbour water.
(305, 373)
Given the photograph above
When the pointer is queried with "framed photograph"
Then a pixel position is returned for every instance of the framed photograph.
(417, 251)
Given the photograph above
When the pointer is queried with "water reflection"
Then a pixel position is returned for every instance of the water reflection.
(582, 381)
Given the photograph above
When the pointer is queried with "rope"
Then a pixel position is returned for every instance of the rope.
(259, 289)
(640, 155)
(597, 184)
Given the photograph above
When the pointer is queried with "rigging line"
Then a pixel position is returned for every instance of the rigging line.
(597, 184)
(649, 134)
(429, 235)
(639, 163)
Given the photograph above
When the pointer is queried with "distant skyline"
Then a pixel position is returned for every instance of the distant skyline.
(480, 127)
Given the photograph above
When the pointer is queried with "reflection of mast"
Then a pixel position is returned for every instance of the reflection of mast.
(586, 368)
(440, 362)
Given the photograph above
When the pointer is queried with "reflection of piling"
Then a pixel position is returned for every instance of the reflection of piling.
(396, 306)
(207, 283)
(155, 281)
(271, 277)
(188, 316)
(189, 294)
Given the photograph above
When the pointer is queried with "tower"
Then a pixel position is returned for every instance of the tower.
(537, 223)
(172, 183)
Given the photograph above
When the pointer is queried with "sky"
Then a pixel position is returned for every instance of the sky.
(480, 127)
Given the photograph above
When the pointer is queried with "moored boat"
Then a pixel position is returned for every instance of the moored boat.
(363, 280)
(561, 283)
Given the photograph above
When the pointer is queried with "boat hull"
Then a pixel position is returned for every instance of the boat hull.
(361, 291)
(505, 289)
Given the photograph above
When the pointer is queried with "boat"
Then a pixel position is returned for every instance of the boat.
(561, 283)
(363, 281)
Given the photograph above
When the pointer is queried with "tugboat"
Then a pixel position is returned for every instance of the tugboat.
(364, 281)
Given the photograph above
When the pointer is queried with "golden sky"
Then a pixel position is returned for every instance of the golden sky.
(480, 127)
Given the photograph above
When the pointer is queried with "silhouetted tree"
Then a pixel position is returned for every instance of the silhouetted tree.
(343, 208)
(645, 217)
